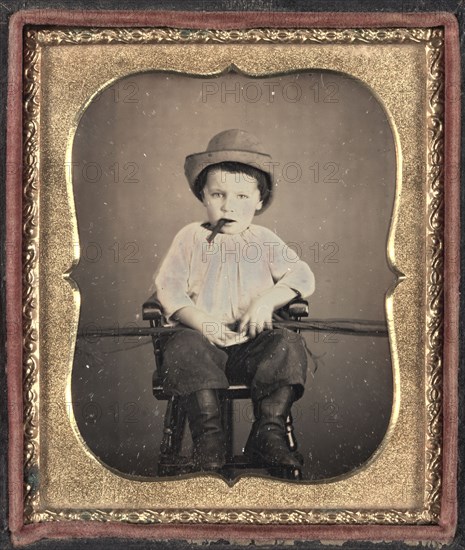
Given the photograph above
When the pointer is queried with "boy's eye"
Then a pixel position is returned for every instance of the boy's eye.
(243, 196)
(216, 195)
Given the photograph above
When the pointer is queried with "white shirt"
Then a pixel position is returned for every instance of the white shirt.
(223, 277)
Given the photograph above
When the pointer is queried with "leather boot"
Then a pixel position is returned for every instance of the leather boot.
(204, 416)
(267, 443)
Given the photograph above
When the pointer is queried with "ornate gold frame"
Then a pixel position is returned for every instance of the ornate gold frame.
(87, 490)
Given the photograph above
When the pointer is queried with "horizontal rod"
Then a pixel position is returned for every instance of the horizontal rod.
(339, 326)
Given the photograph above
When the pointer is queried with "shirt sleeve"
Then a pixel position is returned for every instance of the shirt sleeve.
(171, 278)
(287, 269)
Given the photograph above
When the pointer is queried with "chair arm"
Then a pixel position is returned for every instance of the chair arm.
(298, 308)
(152, 309)
(295, 309)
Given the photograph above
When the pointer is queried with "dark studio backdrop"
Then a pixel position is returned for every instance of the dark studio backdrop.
(333, 203)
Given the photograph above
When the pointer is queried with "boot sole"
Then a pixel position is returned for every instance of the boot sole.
(259, 460)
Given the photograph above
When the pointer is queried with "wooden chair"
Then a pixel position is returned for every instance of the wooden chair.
(170, 461)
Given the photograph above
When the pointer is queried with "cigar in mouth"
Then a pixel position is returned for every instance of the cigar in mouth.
(217, 229)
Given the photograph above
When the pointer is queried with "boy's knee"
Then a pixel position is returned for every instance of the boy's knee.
(188, 339)
(188, 350)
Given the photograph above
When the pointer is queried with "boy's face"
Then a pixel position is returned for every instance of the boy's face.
(232, 196)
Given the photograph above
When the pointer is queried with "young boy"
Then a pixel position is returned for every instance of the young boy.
(221, 281)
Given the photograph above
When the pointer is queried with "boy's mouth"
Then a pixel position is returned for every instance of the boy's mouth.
(217, 228)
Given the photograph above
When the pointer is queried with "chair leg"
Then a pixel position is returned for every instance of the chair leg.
(170, 463)
(228, 427)
(169, 427)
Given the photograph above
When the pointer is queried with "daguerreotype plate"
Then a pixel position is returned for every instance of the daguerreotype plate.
(359, 115)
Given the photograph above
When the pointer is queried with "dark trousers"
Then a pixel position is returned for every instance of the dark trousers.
(273, 359)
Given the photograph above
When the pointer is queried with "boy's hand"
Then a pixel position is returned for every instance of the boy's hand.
(226, 338)
(220, 333)
(258, 317)
(215, 331)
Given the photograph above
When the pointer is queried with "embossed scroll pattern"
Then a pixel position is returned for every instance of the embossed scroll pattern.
(31, 108)
(435, 282)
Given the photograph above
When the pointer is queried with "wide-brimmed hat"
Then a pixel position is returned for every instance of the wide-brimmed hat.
(231, 146)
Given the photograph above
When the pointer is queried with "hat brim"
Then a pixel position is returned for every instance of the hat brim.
(199, 161)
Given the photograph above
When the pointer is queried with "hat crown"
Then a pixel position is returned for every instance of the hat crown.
(235, 140)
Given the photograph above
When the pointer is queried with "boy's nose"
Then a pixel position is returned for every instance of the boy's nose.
(228, 205)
